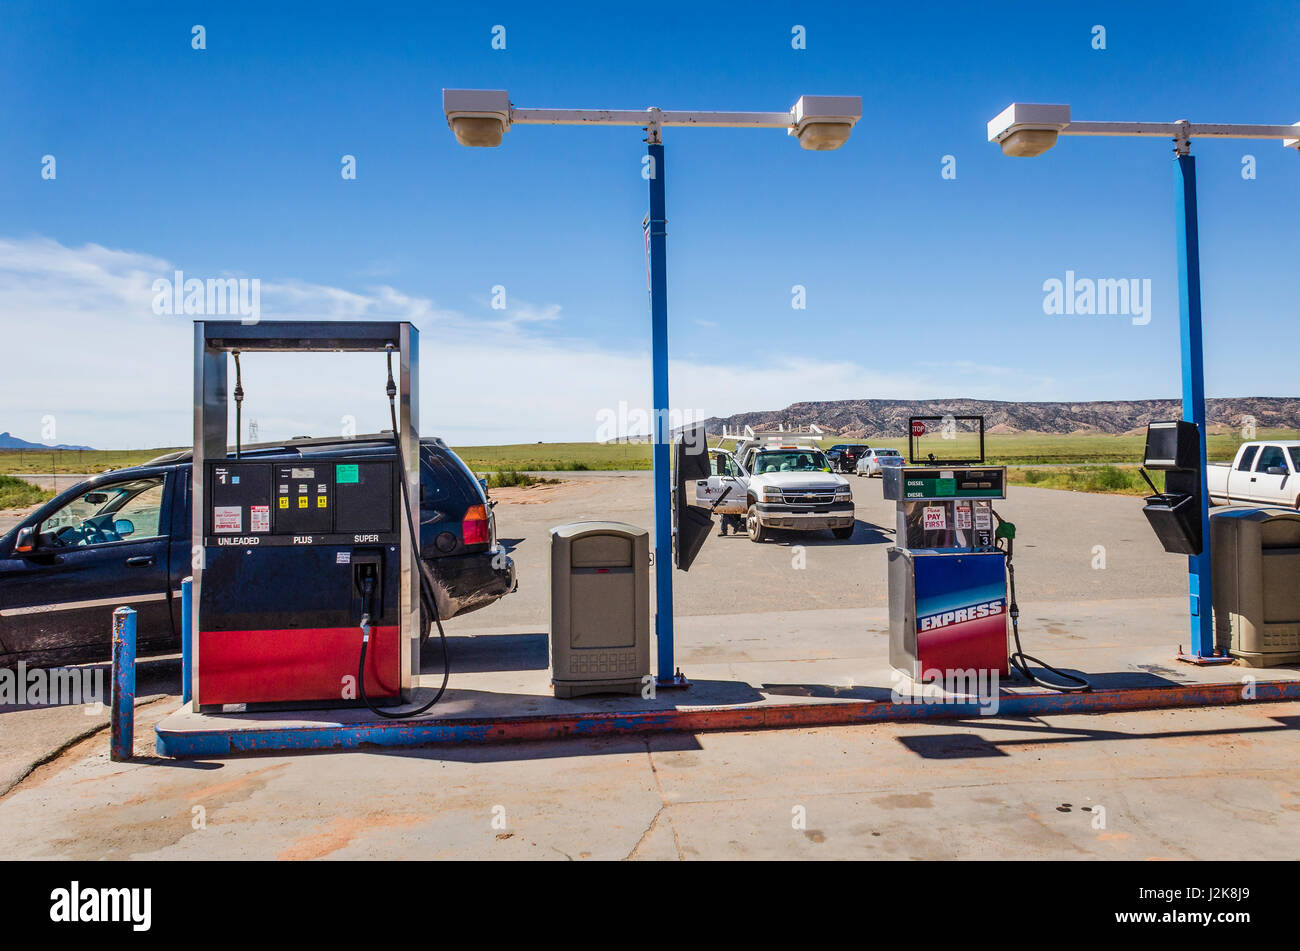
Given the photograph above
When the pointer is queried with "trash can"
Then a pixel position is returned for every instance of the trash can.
(600, 608)
(1255, 557)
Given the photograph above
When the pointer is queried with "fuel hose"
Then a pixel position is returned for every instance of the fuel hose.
(426, 582)
(1019, 660)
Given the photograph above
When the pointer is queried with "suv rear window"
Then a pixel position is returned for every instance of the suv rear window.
(446, 486)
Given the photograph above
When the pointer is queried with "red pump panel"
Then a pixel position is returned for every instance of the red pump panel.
(285, 666)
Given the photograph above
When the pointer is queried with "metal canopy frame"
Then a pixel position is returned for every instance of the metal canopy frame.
(213, 341)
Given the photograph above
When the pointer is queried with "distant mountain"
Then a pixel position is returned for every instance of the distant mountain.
(13, 442)
(879, 419)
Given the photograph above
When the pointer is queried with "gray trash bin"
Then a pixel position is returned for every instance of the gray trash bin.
(1255, 557)
(600, 608)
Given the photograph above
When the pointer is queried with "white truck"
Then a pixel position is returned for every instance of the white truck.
(1265, 472)
(777, 480)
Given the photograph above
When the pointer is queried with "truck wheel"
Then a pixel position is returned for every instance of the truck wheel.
(757, 532)
(842, 533)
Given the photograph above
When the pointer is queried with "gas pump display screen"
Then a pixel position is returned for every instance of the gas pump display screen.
(954, 483)
(301, 502)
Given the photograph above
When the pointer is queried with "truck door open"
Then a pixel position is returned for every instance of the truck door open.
(725, 473)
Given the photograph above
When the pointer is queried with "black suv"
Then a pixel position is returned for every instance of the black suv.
(65, 567)
(844, 457)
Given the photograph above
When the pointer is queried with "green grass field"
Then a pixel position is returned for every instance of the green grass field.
(1041, 449)
(17, 494)
(18, 461)
(1117, 454)
(1019, 449)
(1114, 480)
(566, 456)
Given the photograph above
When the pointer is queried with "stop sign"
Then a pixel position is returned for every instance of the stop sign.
(918, 428)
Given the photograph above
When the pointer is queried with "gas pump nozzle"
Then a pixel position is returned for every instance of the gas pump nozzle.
(366, 581)
(1018, 659)
(1005, 530)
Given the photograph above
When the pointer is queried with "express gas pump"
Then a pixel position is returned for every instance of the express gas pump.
(951, 577)
(308, 588)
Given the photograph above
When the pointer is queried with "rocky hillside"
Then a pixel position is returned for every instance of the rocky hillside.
(857, 419)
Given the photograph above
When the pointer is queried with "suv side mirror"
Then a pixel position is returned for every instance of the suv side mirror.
(1276, 470)
(25, 543)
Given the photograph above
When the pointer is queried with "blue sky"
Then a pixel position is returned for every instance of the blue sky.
(226, 162)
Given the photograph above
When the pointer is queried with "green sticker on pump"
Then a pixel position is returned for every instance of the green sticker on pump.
(346, 474)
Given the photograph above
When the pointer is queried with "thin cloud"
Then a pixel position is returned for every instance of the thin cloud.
(86, 348)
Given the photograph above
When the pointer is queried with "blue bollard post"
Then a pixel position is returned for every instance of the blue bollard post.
(123, 708)
(187, 638)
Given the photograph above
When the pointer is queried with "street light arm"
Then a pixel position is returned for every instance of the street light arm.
(1192, 130)
(641, 117)
(1028, 129)
(481, 117)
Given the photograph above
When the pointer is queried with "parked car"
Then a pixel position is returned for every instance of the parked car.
(845, 456)
(1264, 472)
(776, 481)
(123, 537)
(871, 462)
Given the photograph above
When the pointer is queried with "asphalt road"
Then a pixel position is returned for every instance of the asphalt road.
(1206, 783)
(1060, 537)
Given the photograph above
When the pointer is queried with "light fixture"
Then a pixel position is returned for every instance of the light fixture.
(1026, 129)
(478, 117)
(823, 123)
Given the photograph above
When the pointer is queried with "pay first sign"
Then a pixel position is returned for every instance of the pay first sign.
(935, 518)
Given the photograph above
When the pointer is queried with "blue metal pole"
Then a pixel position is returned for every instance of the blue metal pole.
(187, 639)
(122, 714)
(1199, 588)
(657, 276)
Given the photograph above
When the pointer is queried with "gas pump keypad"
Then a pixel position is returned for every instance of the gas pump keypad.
(304, 502)
(309, 487)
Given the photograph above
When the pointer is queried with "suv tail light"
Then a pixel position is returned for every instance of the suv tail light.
(474, 530)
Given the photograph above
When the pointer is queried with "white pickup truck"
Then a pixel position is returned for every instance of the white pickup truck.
(777, 481)
(1265, 472)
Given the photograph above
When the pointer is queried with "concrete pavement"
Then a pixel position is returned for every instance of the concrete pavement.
(800, 617)
(1218, 783)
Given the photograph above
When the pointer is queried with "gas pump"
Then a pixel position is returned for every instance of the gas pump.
(309, 583)
(951, 577)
